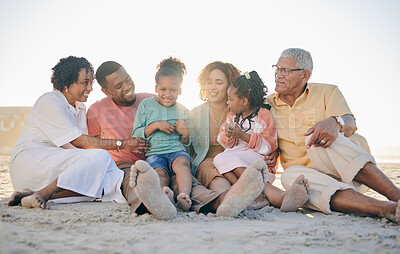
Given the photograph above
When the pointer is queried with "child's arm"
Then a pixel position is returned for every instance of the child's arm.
(264, 138)
(182, 128)
(224, 137)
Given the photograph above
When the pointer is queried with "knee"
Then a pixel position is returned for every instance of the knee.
(99, 155)
(180, 162)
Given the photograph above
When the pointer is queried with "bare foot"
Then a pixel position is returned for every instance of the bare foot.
(296, 196)
(244, 191)
(16, 197)
(35, 201)
(169, 193)
(260, 202)
(396, 216)
(150, 193)
(183, 201)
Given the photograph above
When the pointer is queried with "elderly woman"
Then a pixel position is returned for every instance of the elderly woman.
(50, 159)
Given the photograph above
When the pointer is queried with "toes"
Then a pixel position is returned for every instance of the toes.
(259, 164)
(142, 166)
(133, 176)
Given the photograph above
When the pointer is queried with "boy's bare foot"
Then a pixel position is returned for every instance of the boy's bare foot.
(35, 201)
(150, 193)
(183, 201)
(16, 197)
(260, 202)
(244, 191)
(297, 195)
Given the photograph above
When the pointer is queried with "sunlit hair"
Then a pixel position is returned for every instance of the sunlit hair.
(304, 59)
(230, 71)
(66, 71)
(254, 90)
(170, 67)
(105, 69)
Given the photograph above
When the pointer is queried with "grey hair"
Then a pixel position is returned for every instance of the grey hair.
(304, 59)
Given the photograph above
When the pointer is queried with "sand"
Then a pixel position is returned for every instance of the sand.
(97, 227)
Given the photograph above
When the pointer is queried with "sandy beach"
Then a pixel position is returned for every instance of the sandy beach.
(97, 227)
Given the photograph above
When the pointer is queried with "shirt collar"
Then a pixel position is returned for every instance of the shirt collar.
(78, 105)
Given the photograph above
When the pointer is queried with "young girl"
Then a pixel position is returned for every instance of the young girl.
(162, 121)
(249, 132)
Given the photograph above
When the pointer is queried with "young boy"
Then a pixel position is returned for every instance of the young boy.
(162, 121)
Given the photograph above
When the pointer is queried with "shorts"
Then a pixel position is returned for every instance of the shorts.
(165, 160)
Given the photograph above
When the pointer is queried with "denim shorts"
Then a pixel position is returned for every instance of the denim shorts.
(165, 160)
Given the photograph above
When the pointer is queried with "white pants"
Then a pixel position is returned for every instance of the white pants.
(335, 169)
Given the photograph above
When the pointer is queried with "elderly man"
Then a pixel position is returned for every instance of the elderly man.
(316, 135)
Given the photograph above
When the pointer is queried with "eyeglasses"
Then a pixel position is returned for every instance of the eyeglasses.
(284, 71)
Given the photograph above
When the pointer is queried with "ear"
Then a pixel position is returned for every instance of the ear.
(156, 88)
(180, 90)
(245, 101)
(306, 76)
(106, 92)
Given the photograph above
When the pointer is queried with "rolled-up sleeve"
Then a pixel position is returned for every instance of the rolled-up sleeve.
(56, 121)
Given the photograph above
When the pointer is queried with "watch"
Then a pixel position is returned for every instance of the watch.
(119, 144)
(340, 121)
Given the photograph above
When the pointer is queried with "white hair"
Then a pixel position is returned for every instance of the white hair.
(304, 59)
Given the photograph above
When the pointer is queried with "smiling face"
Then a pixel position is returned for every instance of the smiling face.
(80, 90)
(168, 88)
(120, 87)
(217, 86)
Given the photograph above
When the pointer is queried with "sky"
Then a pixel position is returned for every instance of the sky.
(354, 44)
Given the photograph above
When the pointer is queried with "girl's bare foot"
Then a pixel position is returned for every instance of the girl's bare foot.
(16, 197)
(149, 191)
(183, 201)
(35, 201)
(244, 191)
(297, 195)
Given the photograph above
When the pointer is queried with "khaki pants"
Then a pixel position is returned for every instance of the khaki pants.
(201, 196)
(334, 169)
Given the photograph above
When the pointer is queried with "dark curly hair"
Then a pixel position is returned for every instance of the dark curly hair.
(254, 89)
(230, 71)
(66, 71)
(105, 69)
(170, 67)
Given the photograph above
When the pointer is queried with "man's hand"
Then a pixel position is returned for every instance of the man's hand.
(135, 145)
(166, 126)
(271, 160)
(324, 133)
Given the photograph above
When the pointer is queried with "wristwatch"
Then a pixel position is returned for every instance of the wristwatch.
(340, 121)
(119, 144)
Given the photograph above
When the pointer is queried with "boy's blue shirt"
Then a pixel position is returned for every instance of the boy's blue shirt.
(150, 111)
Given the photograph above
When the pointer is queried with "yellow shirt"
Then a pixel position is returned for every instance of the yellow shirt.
(317, 102)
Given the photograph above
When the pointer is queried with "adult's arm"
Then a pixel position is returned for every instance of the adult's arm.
(328, 128)
(135, 145)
